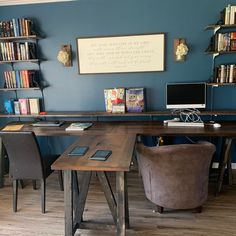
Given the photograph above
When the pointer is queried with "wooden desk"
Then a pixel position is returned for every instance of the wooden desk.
(227, 130)
(122, 147)
(154, 128)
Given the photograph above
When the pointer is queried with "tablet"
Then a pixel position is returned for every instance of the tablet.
(78, 151)
(101, 155)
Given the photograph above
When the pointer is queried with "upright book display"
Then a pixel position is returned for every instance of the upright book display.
(115, 100)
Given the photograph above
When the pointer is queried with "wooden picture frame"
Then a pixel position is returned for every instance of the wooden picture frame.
(121, 54)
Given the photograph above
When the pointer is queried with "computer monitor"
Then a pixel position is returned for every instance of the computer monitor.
(185, 95)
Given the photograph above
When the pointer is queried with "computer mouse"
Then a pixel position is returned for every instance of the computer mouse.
(216, 125)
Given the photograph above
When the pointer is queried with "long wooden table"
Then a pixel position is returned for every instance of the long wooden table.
(152, 128)
(123, 131)
(122, 147)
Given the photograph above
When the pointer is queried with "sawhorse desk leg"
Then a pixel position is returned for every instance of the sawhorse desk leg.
(74, 198)
(225, 160)
(122, 204)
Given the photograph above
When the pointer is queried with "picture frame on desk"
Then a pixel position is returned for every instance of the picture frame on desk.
(121, 54)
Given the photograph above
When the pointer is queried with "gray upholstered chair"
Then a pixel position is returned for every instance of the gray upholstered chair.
(26, 162)
(176, 176)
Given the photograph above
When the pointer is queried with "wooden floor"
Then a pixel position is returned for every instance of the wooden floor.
(218, 216)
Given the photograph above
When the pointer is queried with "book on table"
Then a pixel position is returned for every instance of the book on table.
(46, 123)
(78, 126)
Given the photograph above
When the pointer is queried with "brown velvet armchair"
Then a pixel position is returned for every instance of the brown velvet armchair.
(176, 176)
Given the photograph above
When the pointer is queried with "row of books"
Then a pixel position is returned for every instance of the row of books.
(222, 42)
(20, 79)
(225, 74)
(16, 27)
(22, 106)
(10, 51)
(228, 15)
(119, 100)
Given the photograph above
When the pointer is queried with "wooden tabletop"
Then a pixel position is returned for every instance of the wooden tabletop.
(153, 128)
(122, 147)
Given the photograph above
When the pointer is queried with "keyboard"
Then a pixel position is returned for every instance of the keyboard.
(185, 124)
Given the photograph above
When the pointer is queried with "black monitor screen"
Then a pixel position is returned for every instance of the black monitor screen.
(185, 95)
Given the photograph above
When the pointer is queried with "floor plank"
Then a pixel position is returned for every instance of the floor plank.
(218, 216)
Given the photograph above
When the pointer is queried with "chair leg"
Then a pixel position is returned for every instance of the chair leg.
(159, 209)
(34, 184)
(22, 183)
(198, 209)
(43, 195)
(60, 176)
(15, 194)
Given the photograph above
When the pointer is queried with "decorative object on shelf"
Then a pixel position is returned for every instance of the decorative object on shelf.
(180, 49)
(64, 55)
(8, 106)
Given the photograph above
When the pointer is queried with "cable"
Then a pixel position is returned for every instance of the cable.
(188, 115)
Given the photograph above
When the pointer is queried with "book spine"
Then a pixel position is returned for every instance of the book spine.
(34, 105)
(18, 79)
(17, 107)
(231, 74)
(232, 15)
(222, 74)
(227, 14)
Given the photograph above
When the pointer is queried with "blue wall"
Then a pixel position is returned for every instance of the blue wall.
(62, 23)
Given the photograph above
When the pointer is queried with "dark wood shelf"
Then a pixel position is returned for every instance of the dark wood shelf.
(214, 26)
(18, 89)
(72, 114)
(221, 84)
(17, 61)
(33, 37)
(221, 52)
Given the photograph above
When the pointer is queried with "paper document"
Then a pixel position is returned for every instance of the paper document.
(12, 127)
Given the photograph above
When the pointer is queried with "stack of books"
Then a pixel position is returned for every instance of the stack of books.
(78, 126)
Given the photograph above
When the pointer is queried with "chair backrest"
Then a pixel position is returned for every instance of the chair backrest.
(176, 176)
(24, 155)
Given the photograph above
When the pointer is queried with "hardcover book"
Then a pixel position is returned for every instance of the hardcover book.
(135, 99)
(8, 105)
(24, 106)
(115, 100)
(78, 126)
(34, 105)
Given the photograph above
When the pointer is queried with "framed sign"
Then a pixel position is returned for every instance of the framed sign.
(121, 54)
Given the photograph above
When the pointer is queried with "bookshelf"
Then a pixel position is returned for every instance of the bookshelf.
(223, 42)
(18, 47)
